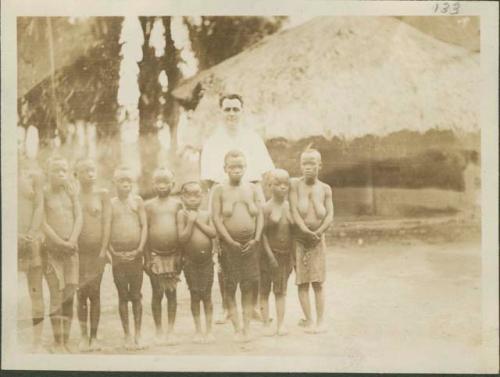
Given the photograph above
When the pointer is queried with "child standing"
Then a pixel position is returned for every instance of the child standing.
(237, 216)
(62, 226)
(196, 233)
(127, 238)
(92, 247)
(312, 210)
(163, 252)
(29, 237)
(278, 248)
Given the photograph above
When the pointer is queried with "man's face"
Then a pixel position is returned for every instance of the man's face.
(58, 172)
(235, 168)
(280, 186)
(87, 173)
(231, 109)
(162, 185)
(192, 195)
(310, 165)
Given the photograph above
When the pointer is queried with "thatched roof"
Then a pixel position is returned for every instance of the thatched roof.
(343, 76)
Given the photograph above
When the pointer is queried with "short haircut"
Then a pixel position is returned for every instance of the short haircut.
(83, 163)
(279, 173)
(234, 153)
(185, 185)
(123, 171)
(161, 172)
(56, 160)
(230, 96)
(311, 151)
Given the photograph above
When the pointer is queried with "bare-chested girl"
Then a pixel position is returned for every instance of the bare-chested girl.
(62, 226)
(278, 248)
(127, 240)
(312, 209)
(29, 220)
(196, 233)
(163, 252)
(92, 248)
(238, 219)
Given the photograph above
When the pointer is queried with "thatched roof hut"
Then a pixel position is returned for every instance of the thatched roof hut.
(344, 77)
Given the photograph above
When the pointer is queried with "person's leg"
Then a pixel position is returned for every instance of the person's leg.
(121, 283)
(172, 312)
(305, 304)
(208, 308)
(95, 311)
(230, 293)
(195, 311)
(247, 303)
(320, 305)
(35, 286)
(156, 298)
(67, 310)
(82, 312)
(136, 278)
(265, 289)
(55, 309)
(280, 312)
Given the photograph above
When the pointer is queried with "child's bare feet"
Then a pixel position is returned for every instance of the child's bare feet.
(172, 339)
(57, 348)
(84, 345)
(246, 337)
(128, 343)
(209, 338)
(139, 344)
(320, 328)
(282, 331)
(95, 345)
(238, 336)
(159, 339)
(198, 338)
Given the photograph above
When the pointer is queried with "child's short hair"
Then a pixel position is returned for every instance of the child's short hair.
(279, 173)
(185, 185)
(162, 171)
(230, 96)
(234, 153)
(57, 159)
(123, 171)
(83, 163)
(311, 151)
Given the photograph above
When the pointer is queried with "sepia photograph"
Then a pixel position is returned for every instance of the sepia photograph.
(240, 186)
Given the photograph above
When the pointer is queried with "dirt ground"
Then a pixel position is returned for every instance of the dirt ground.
(399, 295)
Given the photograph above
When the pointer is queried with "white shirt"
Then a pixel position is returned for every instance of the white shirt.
(245, 140)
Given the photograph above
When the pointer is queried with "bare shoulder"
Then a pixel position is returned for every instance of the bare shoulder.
(294, 182)
(138, 200)
(326, 188)
(148, 204)
(267, 207)
(103, 194)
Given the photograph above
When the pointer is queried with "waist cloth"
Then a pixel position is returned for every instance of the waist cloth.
(166, 268)
(310, 264)
(238, 267)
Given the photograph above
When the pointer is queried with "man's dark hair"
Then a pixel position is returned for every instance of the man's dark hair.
(230, 96)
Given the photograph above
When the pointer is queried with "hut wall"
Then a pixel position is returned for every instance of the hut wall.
(402, 174)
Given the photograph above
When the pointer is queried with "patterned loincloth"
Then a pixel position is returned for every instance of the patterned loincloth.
(166, 268)
(310, 264)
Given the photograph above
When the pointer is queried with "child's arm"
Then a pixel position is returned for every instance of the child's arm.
(144, 226)
(259, 222)
(269, 252)
(78, 222)
(185, 225)
(206, 227)
(37, 219)
(327, 221)
(293, 199)
(51, 234)
(106, 222)
(217, 218)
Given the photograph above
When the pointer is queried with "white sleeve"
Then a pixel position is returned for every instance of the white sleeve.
(261, 161)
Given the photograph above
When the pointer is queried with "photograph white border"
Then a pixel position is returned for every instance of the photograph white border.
(12, 359)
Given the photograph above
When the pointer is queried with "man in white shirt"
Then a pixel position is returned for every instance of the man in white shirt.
(233, 135)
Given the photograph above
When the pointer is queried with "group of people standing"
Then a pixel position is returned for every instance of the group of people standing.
(67, 232)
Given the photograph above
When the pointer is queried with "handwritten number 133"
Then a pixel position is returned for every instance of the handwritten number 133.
(447, 8)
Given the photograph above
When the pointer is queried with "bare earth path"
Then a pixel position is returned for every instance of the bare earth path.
(405, 298)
